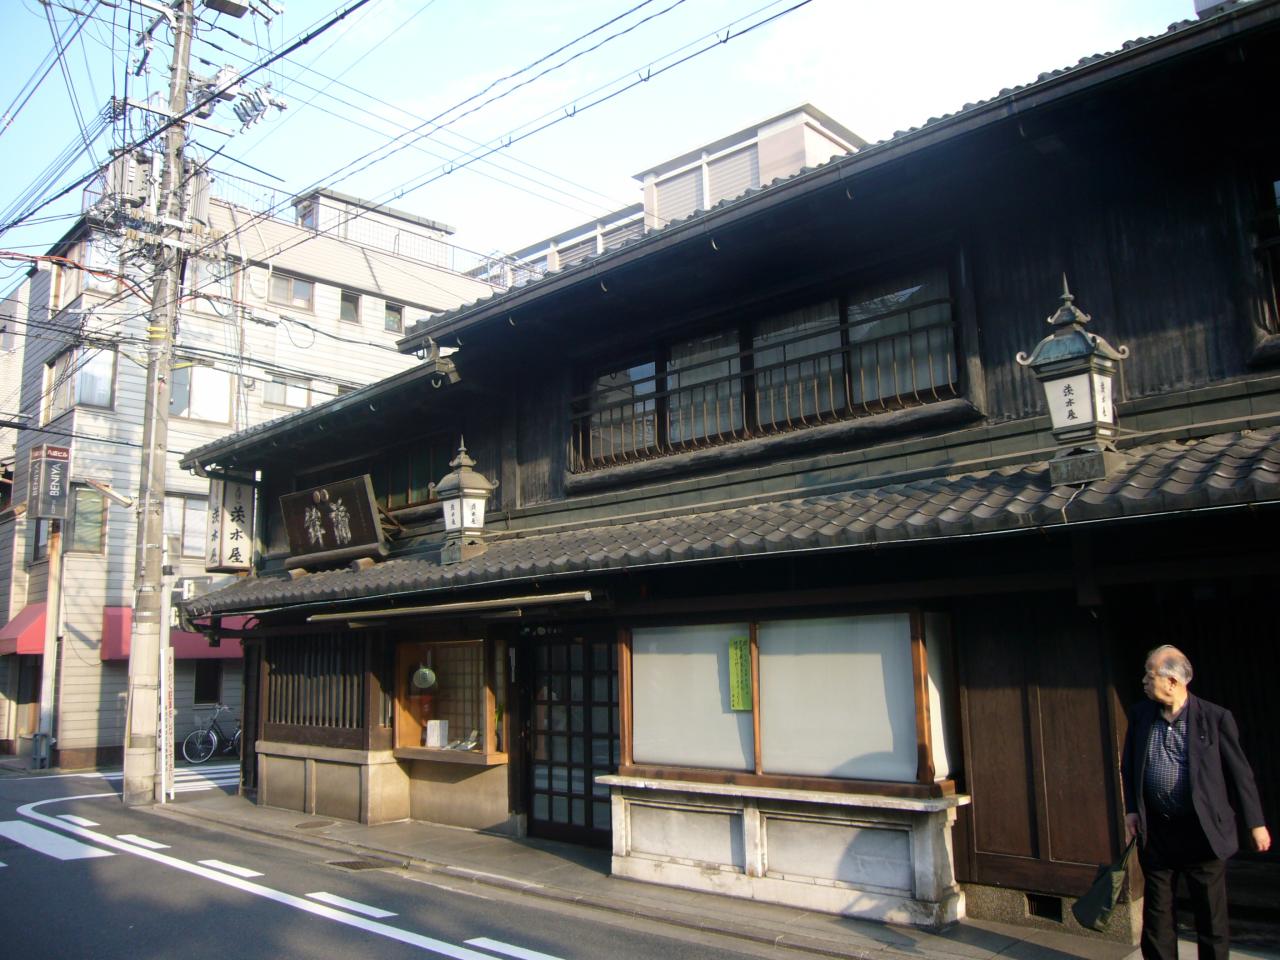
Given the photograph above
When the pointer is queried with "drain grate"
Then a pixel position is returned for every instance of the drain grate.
(357, 864)
(313, 825)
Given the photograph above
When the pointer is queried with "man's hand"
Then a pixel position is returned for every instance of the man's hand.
(1131, 828)
(1261, 839)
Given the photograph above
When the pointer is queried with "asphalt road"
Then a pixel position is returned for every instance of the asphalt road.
(85, 877)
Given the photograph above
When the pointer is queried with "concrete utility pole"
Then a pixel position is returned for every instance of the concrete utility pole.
(142, 747)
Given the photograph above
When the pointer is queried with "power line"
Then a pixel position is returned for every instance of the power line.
(191, 110)
(530, 129)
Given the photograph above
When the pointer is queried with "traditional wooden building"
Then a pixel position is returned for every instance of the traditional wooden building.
(786, 589)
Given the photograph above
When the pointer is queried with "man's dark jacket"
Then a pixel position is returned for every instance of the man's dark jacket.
(1216, 766)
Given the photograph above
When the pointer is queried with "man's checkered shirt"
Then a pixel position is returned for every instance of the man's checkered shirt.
(1166, 789)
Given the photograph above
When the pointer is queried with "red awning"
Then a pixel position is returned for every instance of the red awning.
(25, 632)
(117, 630)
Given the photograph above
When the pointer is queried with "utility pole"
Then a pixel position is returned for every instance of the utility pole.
(142, 747)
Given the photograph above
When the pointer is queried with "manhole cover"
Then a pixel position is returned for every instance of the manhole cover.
(313, 825)
(357, 864)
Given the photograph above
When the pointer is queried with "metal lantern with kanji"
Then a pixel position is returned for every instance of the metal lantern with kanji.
(1077, 370)
(464, 495)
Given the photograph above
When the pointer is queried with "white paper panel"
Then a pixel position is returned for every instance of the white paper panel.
(680, 699)
(836, 698)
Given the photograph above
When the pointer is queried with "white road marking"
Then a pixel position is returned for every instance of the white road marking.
(444, 886)
(119, 774)
(230, 868)
(3, 864)
(49, 843)
(142, 841)
(256, 889)
(509, 950)
(336, 901)
(78, 821)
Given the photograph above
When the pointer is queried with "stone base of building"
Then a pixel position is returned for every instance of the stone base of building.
(376, 786)
(874, 857)
(1049, 912)
(86, 758)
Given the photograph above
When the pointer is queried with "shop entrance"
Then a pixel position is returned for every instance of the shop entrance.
(573, 731)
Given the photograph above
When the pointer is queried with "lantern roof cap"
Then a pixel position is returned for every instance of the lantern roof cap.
(463, 479)
(1070, 340)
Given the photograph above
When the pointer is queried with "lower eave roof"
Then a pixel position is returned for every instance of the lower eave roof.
(1225, 470)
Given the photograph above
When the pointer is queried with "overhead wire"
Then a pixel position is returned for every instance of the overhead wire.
(186, 114)
(534, 127)
(15, 107)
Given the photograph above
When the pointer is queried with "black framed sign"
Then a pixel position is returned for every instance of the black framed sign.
(333, 523)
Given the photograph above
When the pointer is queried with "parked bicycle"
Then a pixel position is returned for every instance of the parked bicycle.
(203, 743)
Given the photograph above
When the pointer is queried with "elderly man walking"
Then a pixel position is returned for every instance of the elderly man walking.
(1182, 766)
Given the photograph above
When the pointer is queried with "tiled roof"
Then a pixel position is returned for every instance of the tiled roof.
(1232, 469)
(1044, 79)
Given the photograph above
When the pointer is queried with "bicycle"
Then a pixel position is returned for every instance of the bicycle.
(203, 743)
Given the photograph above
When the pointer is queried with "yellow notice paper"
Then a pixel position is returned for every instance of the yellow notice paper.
(740, 673)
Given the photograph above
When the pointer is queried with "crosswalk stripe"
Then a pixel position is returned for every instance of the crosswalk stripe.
(141, 841)
(229, 868)
(509, 950)
(49, 843)
(78, 821)
(355, 907)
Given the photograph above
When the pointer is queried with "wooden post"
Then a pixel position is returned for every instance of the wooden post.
(624, 695)
(920, 678)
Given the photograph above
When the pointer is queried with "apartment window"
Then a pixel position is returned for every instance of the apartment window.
(186, 519)
(393, 318)
(307, 215)
(867, 349)
(82, 376)
(292, 291)
(287, 392)
(84, 529)
(349, 311)
(88, 526)
(200, 393)
(208, 682)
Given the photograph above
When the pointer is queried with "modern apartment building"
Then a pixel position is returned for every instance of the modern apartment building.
(276, 315)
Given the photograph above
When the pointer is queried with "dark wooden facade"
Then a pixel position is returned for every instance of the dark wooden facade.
(1161, 225)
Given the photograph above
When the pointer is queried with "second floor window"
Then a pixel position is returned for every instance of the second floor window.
(200, 393)
(88, 521)
(185, 520)
(80, 376)
(292, 291)
(287, 392)
(394, 318)
(349, 312)
(84, 530)
(873, 348)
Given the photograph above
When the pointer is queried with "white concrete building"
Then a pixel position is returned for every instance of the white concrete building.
(275, 315)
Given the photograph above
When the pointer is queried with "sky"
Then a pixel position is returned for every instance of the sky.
(497, 117)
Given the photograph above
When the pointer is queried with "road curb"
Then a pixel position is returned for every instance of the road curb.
(644, 911)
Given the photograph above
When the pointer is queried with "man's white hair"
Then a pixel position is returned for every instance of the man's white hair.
(1169, 661)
